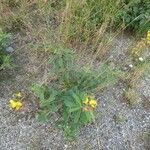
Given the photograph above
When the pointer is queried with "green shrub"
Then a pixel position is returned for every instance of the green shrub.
(135, 14)
(70, 94)
(5, 60)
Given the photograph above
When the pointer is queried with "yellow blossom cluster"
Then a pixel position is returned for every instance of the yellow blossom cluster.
(15, 103)
(89, 104)
(148, 37)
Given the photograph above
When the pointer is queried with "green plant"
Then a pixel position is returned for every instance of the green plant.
(5, 60)
(135, 15)
(119, 118)
(70, 94)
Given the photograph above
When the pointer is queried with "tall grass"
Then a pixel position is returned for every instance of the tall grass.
(75, 23)
(86, 22)
(83, 25)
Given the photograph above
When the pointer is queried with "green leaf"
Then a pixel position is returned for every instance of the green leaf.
(69, 103)
(74, 109)
(76, 98)
(86, 117)
(90, 116)
(77, 116)
(53, 93)
(65, 115)
(45, 103)
(43, 116)
(39, 91)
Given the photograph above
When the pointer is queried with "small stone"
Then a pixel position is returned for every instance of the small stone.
(124, 68)
(112, 65)
(141, 59)
(9, 49)
(131, 66)
(66, 146)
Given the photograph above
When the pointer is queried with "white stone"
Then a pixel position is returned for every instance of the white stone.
(131, 66)
(141, 59)
(9, 49)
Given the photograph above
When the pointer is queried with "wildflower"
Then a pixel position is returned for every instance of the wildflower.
(90, 104)
(131, 66)
(15, 104)
(93, 103)
(141, 59)
(148, 37)
(18, 95)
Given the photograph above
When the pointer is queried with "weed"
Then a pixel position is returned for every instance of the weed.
(71, 94)
(119, 118)
(132, 97)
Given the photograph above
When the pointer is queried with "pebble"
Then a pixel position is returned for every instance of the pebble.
(131, 66)
(141, 59)
(9, 49)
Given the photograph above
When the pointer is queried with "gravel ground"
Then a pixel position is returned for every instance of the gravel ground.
(117, 127)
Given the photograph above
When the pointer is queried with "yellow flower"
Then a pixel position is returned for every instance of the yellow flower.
(15, 104)
(148, 37)
(86, 100)
(18, 95)
(93, 103)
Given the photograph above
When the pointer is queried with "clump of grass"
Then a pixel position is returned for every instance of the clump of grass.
(17, 16)
(138, 49)
(119, 118)
(13, 20)
(132, 97)
(87, 21)
(139, 70)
